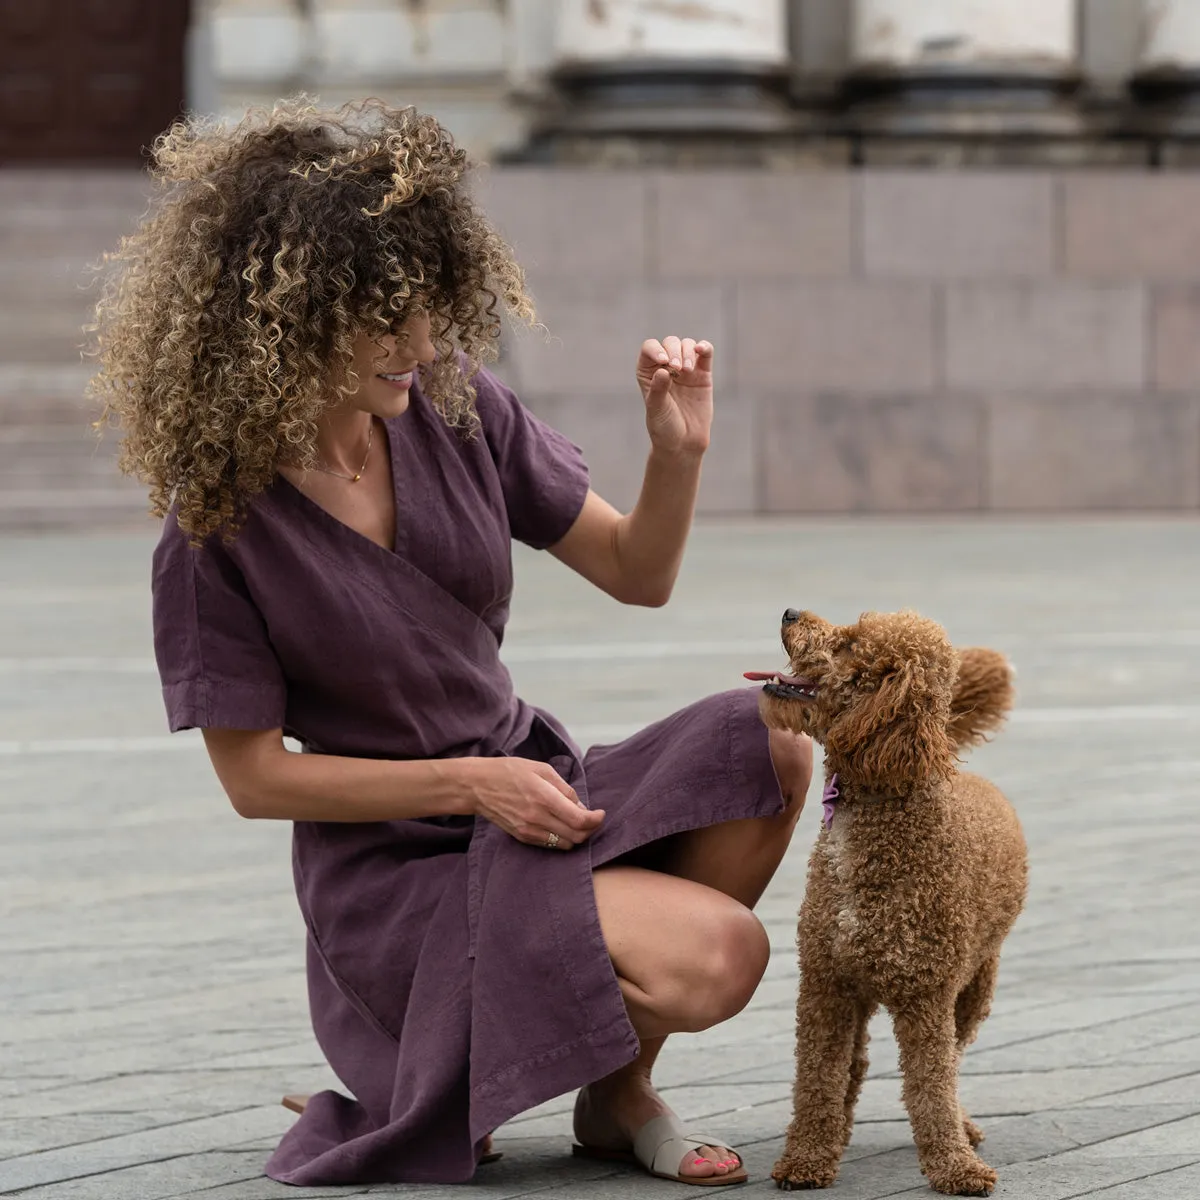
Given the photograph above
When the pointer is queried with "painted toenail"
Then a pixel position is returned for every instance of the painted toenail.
(698, 1161)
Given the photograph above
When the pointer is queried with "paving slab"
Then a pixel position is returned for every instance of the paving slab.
(152, 1005)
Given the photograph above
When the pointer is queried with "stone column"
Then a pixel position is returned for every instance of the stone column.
(643, 81)
(1167, 81)
(261, 50)
(448, 57)
(531, 29)
(963, 79)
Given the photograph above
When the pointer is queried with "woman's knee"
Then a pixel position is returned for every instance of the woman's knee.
(717, 977)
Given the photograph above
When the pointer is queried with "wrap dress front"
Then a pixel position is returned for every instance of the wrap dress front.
(456, 976)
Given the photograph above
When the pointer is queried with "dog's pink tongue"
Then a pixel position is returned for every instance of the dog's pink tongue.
(759, 676)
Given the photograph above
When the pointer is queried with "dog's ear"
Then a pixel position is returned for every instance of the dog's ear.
(983, 695)
(897, 734)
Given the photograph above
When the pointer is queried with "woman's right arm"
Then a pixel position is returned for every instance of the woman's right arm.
(263, 779)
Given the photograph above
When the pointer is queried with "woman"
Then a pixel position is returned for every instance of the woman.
(291, 342)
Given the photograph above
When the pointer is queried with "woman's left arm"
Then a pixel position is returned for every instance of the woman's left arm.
(636, 558)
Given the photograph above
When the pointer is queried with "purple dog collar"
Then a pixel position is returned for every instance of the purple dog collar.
(829, 798)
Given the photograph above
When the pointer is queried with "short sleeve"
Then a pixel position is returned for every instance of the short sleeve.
(542, 473)
(215, 659)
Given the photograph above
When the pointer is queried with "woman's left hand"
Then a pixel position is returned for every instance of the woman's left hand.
(675, 376)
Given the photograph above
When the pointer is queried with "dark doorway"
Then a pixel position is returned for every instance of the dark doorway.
(88, 80)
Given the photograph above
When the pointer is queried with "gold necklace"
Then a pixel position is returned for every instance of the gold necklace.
(359, 473)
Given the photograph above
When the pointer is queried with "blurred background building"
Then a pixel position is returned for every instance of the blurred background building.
(949, 250)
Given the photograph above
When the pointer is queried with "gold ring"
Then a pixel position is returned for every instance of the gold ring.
(552, 841)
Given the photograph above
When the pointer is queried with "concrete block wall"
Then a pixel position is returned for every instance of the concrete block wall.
(54, 472)
(887, 341)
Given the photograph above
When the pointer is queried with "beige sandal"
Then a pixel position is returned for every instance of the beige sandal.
(298, 1104)
(659, 1149)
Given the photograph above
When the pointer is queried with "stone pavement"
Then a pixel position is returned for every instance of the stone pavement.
(152, 1004)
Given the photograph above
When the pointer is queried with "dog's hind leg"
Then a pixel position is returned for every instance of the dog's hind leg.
(858, 1068)
(975, 1002)
(827, 1025)
(925, 1033)
(970, 1011)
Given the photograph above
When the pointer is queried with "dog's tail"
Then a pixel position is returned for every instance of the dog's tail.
(983, 695)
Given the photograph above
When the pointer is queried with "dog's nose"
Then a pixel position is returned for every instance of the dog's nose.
(790, 616)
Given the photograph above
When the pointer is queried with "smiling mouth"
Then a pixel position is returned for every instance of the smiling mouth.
(396, 379)
(784, 687)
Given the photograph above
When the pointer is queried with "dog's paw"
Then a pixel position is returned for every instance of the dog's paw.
(975, 1135)
(801, 1175)
(965, 1176)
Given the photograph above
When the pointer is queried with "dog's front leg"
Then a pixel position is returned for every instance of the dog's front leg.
(828, 1019)
(929, 1057)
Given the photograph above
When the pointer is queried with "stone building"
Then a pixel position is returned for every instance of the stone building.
(1022, 332)
(829, 81)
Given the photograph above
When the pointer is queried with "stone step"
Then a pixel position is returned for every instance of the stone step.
(40, 394)
(70, 214)
(80, 509)
(46, 334)
(52, 239)
(46, 279)
(57, 456)
(54, 224)
(64, 477)
(66, 220)
(72, 190)
(55, 472)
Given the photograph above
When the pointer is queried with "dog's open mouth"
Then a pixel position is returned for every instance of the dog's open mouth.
(783, 687)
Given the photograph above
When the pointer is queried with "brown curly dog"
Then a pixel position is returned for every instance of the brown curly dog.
(917, 875)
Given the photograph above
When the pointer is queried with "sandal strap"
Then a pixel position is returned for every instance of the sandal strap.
(661, 1144)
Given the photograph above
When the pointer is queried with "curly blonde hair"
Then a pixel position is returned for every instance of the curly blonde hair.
(226, 322)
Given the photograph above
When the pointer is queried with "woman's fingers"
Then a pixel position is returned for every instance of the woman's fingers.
(568, 834)
(657, 403)
(675, 354)
(556, 781)
(571, 820)
(546, 837)
(653, 355)
(532, 835)
(565, 804)
(576, 818)
(553, 808)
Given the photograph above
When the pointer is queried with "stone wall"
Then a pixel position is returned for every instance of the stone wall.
(487, 67)
(887, 342)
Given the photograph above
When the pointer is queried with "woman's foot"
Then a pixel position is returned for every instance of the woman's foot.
(608, 1115)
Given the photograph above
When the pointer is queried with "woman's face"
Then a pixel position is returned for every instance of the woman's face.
(385, 366)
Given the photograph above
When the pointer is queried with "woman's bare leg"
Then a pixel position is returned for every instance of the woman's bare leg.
(695, 965)
(700, 960)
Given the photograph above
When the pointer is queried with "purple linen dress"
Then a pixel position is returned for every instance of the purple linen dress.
(456, 976)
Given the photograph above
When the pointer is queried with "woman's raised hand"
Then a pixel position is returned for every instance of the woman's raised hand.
(529, 800)
(675, 376)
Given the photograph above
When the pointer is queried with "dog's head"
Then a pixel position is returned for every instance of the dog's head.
(875, 694)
